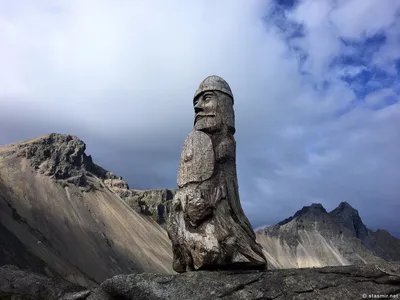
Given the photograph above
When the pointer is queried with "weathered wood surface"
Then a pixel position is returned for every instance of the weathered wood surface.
(207, 225)
(197, 159)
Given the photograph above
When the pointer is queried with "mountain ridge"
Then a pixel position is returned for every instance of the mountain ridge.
(61, 207)
(313, 237)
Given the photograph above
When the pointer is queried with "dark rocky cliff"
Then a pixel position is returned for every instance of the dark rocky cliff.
(380, 242)
(346, 215)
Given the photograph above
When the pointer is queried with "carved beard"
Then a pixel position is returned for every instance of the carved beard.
(208, 124)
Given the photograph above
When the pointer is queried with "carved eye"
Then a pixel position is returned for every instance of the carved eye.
(207, 97)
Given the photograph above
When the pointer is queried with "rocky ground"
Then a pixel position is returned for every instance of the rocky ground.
(17, 284)
(346, 282)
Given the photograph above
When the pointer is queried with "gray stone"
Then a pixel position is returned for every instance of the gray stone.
(152, 203)
(82, 295)
(207, 225)
(349, 282)
(20, 284)
(100, 294)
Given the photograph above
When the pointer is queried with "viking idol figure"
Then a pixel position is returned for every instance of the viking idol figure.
(206, 223)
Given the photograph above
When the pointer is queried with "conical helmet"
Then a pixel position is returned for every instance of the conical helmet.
(214, 83)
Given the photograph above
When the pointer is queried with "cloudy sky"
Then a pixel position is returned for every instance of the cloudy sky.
(316, 86)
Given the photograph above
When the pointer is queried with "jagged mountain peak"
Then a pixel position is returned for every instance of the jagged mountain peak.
(315, 207)
(55, 139)
(350, 218)
(58, 155)
(346, 207)
(345, 204)
(313, 237)
(63, 157)
(313, 210)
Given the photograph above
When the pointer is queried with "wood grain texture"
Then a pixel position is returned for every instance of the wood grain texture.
(206, 224)
(197, 159)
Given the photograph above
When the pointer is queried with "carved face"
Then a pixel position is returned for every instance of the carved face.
(205, 108)
(213, 112)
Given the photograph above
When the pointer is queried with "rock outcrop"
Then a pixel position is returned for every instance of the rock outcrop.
(62, 209)
(349, 282)
(326, 283)
(207, 225)
(152, 203)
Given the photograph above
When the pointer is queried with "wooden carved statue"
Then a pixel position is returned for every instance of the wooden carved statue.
(206, 223)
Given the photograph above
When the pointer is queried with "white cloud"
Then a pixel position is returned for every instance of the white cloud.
(359, 18)
(121, 75)
(351, 71)
(389, 51)
(379, 97)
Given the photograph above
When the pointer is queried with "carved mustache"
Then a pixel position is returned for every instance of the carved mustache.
(200, 116)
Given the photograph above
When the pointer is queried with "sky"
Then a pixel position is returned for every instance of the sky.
(316, 87)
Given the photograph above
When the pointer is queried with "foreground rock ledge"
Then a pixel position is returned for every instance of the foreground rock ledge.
(348, 282)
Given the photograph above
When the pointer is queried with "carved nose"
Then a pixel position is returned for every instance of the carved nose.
(197, 109)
